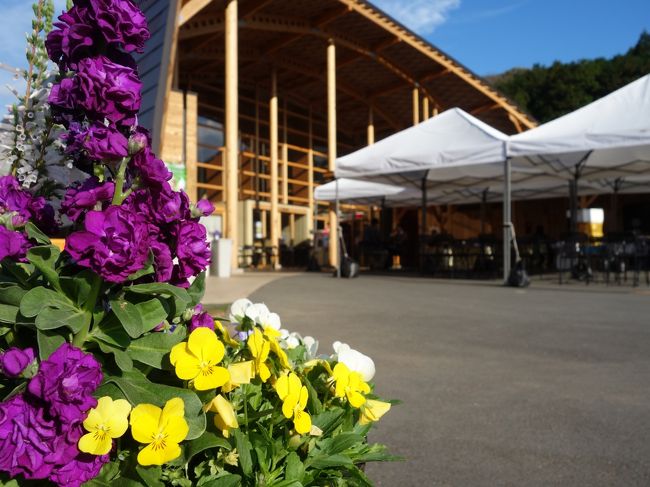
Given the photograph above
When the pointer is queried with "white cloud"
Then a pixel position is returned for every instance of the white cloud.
(423, 16)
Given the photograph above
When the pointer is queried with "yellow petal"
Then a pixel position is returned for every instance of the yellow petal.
(221, 426)
(145, 422)
(340, 370)
(264, 372)
(95, 443)
(178, 350)
(159, 455)
(215, 377)
(241, 372)
(93, 421)
(355, 399)
(282, 386)
(185, 362)
(373, 410)
(176, 429)
(281, 354)
(118, 422)
(304, 395)
(173, 407)
(226, 411)
(203, 343)
(288, 405)
(302, 422)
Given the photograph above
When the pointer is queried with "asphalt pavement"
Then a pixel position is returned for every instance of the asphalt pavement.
(548, 386)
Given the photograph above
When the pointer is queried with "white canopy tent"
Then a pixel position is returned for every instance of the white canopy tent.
(361, 192)
(605, 144)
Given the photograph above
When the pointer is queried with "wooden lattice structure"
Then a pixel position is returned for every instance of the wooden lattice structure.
(276, 89)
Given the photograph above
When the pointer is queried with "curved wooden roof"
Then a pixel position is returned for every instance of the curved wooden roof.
(379, 61)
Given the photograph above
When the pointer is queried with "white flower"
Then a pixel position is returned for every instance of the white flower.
(354, 360)
(311, 345)
(238, 309)
(292, 341)
(262, 316)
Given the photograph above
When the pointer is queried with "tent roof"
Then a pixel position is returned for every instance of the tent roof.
(619, 119)
(453, 137)
(358, 191)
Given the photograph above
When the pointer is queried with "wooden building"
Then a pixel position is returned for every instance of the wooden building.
(254, 100)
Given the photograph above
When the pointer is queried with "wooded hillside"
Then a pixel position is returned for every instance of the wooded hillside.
(546, 92)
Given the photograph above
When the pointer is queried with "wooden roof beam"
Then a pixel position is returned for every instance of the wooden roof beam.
(190, 9)
(485, 108)
(330, 16)
(251, 7)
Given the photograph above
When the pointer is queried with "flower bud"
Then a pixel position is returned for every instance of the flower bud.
(137, 142)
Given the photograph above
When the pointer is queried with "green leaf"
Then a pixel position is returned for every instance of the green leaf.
(129, 317)
(138, 389)
(150, 475)
(244, 450)
(328, 420)
(153, 348)
(122, 359)
(229, 480)
(44, 259)
(110, 331)
(48, 342)
(8, 313)
(204, 442)
(11, 294)
(39, 298)
(323, 461)
(295, 469)
(286, 483)
(78, 287)
(53, 310)
(152, 313)
(197, 289)
(35, 234)
(180, 296)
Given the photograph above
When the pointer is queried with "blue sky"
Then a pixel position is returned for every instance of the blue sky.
(487, 36)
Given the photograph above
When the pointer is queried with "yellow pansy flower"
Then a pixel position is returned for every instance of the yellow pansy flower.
(281, 354)
(294, 397)
(372, 410)
(225, 336)
(106, 421)
(240, 373)
(349, 384)
(160, 429)
(225, 419)
(259, 348)
(197, 360)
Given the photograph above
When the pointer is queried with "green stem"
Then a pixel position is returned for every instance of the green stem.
(119, 195)
(80, 337)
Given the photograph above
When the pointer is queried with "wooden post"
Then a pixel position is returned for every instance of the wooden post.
(416, 106)
(232, 128)
(273, 127)
(285, 156)
(435, 111)
(292, 228)
(371, 127)
(331, 148)
(425, 108)
(310, 176)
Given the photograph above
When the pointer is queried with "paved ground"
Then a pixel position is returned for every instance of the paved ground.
(544, 387)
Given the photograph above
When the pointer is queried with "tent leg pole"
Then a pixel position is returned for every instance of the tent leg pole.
(507, 209)
(573, 206)
(423, 225)
(338, 233)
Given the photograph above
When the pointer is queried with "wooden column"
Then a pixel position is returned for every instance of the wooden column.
(416, 106)
(273, 127)
(435, 111)
(285, 156)
(331, 148)
(425, 109)
(310, 176)
(232, 128)
(371, 127)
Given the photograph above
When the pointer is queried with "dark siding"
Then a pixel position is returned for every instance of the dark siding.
(152, 64)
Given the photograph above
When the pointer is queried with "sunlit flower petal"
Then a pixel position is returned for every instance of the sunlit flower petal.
(373, 410)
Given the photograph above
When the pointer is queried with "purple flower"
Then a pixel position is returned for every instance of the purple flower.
(200, 319)
(98, 142)
(14, 360)
(101, 89)
(192, 249)
(85, 196)
(115, 243)
(76, 467)
(29, 438)
(151, 170)
(66, 382)
(92, 26)
(204, 208)
(14, 199)
(160, 204)
(120, 22)
(163, 262)
(13, 245)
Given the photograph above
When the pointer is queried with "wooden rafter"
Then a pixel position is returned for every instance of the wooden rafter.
(485, 108)
(252, 7)
(190, 9)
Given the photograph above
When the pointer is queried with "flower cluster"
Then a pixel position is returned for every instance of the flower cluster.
(40, 427)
